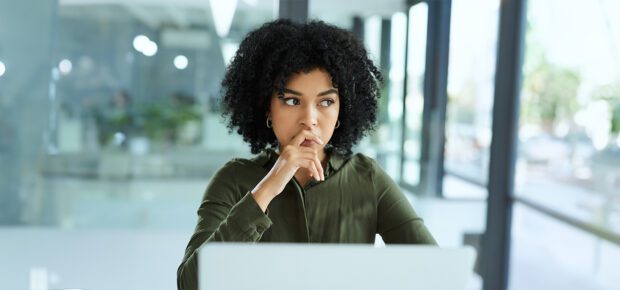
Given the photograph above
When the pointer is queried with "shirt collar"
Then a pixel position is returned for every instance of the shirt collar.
(335, 161)
(264, 158)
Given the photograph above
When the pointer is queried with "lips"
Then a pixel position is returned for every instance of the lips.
(307, 143)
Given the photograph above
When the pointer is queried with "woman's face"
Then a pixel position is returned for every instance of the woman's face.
(310, 102)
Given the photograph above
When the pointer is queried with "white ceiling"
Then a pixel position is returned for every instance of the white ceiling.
(336, 12)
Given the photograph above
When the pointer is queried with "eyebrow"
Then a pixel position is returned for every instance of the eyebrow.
(330, 91)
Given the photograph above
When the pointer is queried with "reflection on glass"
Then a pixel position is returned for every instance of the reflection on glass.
(414, 101)
(549, 254)
(570, 111)
(384, 143)
(2, 68)
(569, 149)
(372, 37)
(471, 72)
(136, 91)
(391, 127)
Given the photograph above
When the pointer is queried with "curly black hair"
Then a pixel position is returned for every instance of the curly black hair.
(270, 55)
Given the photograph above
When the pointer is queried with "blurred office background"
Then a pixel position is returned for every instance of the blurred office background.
(500, 120)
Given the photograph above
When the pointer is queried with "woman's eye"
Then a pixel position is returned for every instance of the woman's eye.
(326, 103)
(291, 101)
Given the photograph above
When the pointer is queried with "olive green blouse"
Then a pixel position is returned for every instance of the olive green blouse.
(356, 201)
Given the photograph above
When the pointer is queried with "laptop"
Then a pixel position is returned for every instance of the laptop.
(272, 266)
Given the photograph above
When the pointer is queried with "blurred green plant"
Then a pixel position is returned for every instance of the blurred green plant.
(111, 121)
(615, 119)
(550, 94)
(611, 94)
(462, 104)
(162, 121)
(159, 121)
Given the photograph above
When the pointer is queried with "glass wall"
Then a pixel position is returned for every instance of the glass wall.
(471, 78)
(386, 47)
(383, 38)
(24, 99)
(392, 115)
(110, 131)
(550, 254)
(414, 100)
(569, 138)
(135, 103)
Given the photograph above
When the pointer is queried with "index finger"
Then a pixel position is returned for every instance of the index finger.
(305, 135)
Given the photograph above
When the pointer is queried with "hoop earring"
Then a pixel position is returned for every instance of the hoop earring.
(337, 124)
(269, 123)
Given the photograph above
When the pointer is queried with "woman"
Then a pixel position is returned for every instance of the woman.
(301, 95)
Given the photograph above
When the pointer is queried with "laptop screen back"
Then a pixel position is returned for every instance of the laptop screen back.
(333, 266)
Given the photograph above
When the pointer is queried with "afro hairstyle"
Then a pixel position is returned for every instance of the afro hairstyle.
(270, 55)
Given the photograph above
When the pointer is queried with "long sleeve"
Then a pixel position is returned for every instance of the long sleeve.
(397, 222)
(227, 213)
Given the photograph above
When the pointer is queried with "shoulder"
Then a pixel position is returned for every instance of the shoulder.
(368, 175)
(362, 163)
(369, 167)
(239, 169)
(361, 159)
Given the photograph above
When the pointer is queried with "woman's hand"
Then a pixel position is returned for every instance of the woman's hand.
(299, 153)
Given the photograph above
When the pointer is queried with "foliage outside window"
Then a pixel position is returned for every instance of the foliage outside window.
(161, 122)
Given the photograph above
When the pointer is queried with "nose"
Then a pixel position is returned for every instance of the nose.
(309, 116)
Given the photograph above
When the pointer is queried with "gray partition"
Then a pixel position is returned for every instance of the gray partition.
(26, 33)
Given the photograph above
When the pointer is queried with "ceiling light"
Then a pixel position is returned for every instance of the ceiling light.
(180, 62)
(65, 66)
(140, 42)
(150, 49)
(223, 13)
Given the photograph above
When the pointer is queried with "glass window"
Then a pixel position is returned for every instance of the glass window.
(414, 100)
(549, 254)
(136, 91)
(372, 37)
(25, 47)
(569, 151)
(131, 120)
(383, 38)
(109, 132)
(391, 127)
(471, 78)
